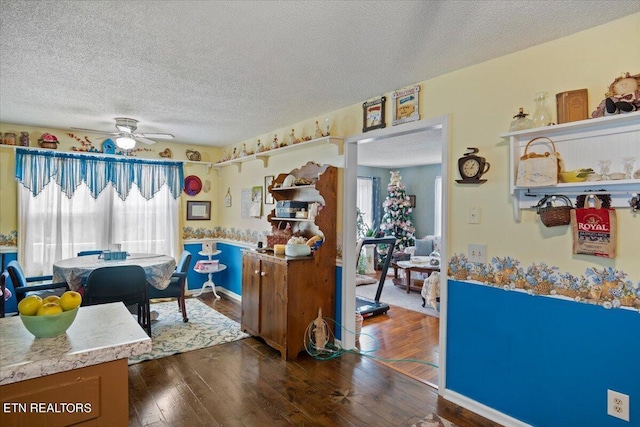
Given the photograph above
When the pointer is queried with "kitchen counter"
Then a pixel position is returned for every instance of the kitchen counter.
(78, 378)
(100, 333)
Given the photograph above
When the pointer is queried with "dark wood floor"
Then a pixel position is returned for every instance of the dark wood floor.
(405, 335)
(246, 383)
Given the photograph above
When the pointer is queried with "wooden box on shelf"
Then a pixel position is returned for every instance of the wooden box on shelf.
(281, 295)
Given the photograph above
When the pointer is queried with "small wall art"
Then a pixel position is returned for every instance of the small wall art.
(405, 105)
(373, 114)
(412, 201)
(198, 210)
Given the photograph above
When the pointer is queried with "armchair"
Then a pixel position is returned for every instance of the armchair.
(21, 283)
(177, 285)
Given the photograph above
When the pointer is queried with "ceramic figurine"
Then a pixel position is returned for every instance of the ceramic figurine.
(259, 147)
(292, 136)
(274, 143)
(318, 130)
(24, 139)
(244, 150)
(320, 332)
(234, 155)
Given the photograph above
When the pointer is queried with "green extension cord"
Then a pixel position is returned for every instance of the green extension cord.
(332, 351)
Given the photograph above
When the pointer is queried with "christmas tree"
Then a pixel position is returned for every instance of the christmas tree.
(396, 220)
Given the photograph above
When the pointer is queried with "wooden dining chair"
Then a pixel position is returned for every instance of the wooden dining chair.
(177, 285)
(125, 283)
(22, 287)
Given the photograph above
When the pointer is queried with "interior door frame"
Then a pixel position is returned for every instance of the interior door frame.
(349, 227)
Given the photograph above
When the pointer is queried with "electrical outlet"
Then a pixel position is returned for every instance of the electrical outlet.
(474, 215)
(618, 405)
(477, 253)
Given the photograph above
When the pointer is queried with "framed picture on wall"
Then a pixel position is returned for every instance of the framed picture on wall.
(405, 105)
(373, 114)
(412, 201)
(268, 197)
(198, 211)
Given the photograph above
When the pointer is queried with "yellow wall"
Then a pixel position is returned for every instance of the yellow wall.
(481, 101)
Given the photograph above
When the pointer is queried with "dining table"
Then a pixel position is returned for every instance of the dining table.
(76, 270)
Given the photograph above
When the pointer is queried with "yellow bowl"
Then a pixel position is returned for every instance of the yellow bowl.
(49, 326)
(572, 176)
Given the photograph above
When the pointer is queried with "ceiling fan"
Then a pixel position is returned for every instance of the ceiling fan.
(127, 136)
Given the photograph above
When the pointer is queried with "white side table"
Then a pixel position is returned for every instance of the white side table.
(209, 282)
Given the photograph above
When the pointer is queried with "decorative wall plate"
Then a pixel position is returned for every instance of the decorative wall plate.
(192, 185)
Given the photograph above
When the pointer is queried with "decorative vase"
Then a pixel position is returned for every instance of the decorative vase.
(541, 115)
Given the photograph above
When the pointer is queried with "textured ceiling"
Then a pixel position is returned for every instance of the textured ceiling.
(219, 72)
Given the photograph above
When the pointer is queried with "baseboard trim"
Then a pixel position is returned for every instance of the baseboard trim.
(483, 410)
(220, 290)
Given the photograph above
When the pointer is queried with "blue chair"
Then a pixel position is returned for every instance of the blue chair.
(125, 283)
(4, 279)
(176, 288)
(94, 252)
(22, 287)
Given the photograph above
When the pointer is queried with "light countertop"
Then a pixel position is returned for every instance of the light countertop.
(100, 333)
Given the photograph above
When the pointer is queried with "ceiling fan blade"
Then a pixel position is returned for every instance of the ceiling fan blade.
(142, 139)
(101, 132)
(155, 135)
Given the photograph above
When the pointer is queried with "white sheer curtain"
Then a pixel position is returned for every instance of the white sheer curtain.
(53, 226)
(364, 200)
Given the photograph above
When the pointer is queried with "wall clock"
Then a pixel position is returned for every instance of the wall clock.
(472, 167)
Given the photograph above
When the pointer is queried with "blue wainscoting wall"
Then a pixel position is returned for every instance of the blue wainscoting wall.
(545, 361)
(231, 256)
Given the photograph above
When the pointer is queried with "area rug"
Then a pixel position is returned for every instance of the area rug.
(393, 295)
(433, 420)
(205, 328)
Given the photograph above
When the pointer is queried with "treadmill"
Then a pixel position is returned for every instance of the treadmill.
(365, 306)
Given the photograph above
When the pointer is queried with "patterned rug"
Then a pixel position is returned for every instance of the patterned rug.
(205, 328)
(433, 420)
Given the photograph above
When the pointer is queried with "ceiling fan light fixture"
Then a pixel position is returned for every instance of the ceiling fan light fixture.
(125, 142)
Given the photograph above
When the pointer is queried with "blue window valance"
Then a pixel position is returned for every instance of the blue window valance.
(35, 169)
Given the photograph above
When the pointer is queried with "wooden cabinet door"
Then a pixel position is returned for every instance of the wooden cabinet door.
(273, 302)
(251, 294)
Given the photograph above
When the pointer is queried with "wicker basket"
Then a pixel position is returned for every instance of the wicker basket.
(279, 236)
(553, 216)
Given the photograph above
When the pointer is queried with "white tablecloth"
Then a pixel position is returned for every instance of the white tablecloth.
(75, 271)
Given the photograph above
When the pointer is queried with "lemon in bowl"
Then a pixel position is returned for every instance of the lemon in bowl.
(49, 325)
(576, 175)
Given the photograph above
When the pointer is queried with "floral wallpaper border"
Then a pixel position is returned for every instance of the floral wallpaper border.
(606, 287)
(247, 235)
(10, 239)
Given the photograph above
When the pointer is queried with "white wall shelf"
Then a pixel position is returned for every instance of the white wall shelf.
(581, 144)
(265, 155)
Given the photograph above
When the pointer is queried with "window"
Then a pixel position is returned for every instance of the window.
(364, 200)
(69, 203)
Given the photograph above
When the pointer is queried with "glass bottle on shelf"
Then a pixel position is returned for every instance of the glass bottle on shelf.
(541, 115)
(520, 122)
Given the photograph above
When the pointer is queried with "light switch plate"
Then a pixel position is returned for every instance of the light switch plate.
(477, 253)
(474, 215)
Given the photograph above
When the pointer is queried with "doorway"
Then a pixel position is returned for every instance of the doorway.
(390, 137)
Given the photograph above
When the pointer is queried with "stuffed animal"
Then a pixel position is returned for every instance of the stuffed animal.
(623, 96)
